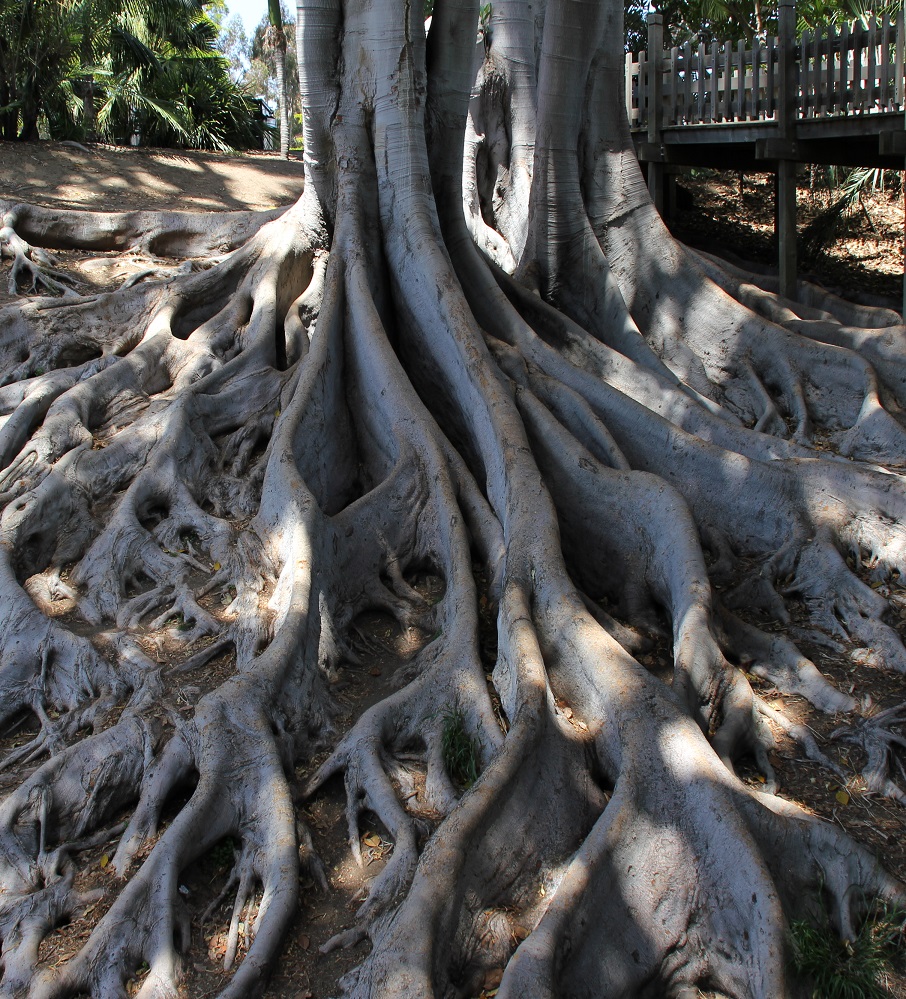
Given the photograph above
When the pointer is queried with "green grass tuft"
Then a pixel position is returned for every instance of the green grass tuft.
(222, 854)
(459, 749)
(849, 969)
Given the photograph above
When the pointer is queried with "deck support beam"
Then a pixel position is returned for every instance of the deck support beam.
(655, 110)
(802, 102)
(785, 226)
(786, 169)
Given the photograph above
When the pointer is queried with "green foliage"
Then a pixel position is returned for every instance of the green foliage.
(188, 105)
(699, 21)
(222, 854)
(849, 187)
(635, 26)
(38, 41)
(460, 751)
(261, 75)
(722, 20)
(848, 969)
(119, 70)
(840, 12)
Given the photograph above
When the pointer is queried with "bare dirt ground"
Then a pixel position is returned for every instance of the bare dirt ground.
(106, 179)
(112, 179)
(718, 213)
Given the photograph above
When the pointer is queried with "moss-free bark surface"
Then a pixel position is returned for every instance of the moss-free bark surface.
(468, 368)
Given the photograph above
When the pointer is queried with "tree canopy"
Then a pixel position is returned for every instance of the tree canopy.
(720, 20)
(123, 71)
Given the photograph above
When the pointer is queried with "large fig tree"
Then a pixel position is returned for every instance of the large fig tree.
(469, 369)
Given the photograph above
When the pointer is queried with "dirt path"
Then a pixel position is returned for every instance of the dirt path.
(113, 179)
(106, 178)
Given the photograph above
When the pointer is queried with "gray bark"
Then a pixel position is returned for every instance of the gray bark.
(423, 366)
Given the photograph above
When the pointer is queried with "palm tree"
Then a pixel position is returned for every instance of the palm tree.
(38, 41)
(114, 68)
(276, 42)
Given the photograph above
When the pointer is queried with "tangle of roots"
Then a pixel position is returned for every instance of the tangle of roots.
(492, 395)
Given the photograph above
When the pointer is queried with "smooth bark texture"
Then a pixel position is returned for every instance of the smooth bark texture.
(470, 353)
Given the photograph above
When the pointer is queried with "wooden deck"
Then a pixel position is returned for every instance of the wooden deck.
(835, 96)
(723, 105)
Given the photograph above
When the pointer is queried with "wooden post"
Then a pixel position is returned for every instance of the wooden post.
(642, 90)
(700, 107)
(715, 82)
(756, 78)
(884, 74)
(687, 83)
(804, 74)
(628, 88)
(818, 75)
(655, 101)
(786, 168)
(671, 116)
(900, 48)
(845, 95)
(870, 89)
(728, 81)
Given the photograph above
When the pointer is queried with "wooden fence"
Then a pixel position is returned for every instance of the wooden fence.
(850, 70)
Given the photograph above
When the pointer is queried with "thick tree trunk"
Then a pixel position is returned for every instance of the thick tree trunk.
(8, 119)
(28, 132)
(89, 117)
(470, 382)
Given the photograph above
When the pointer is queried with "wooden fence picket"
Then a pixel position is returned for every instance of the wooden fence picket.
(854, 69)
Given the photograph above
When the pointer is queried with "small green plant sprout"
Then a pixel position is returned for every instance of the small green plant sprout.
(484, 19)
(223, 853)
(179, 622)
(849, 969)
(460, 751)
(189, 538)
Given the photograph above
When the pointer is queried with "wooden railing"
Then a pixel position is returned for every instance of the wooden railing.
(853, 70)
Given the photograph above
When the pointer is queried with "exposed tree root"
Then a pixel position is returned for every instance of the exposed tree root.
(813, 302)
(33, 269)
(877, 734)
(159, 234)
(208, 477)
